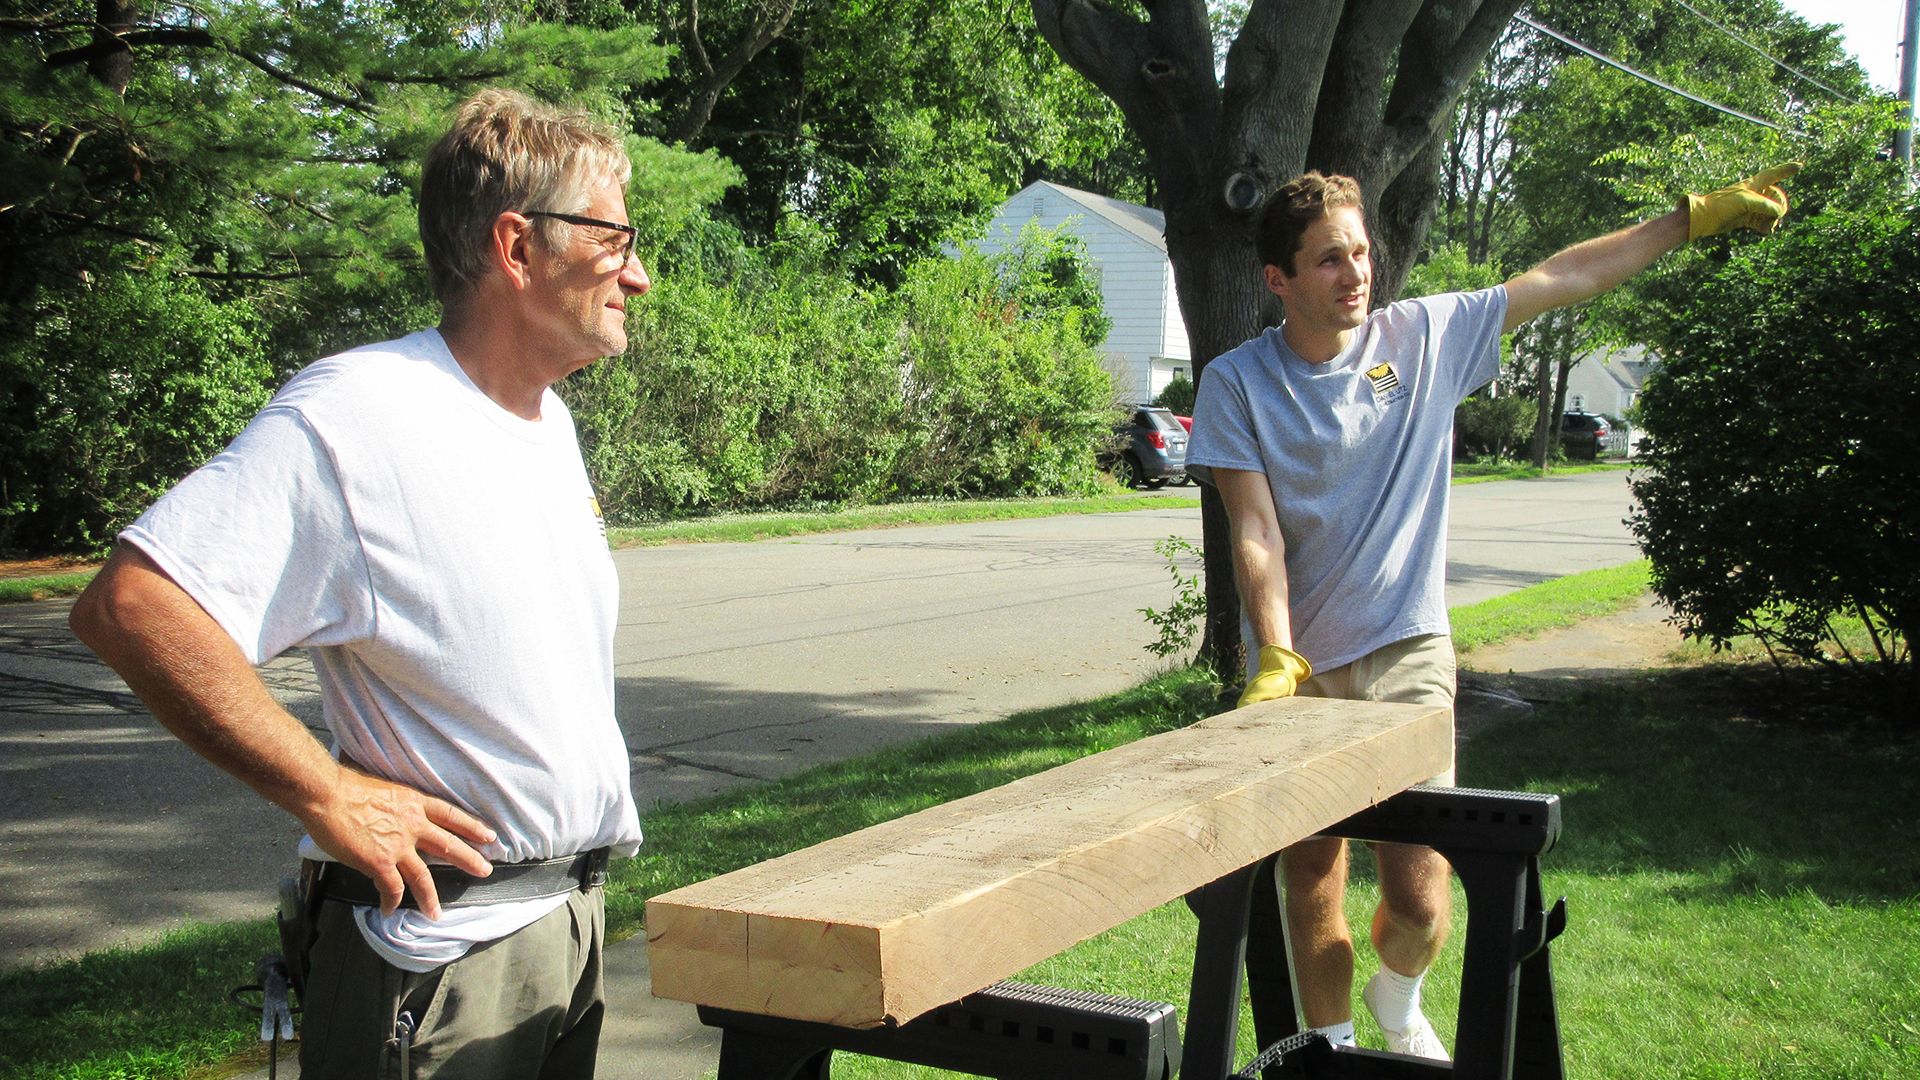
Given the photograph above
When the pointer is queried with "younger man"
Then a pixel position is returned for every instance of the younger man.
(1329, 438)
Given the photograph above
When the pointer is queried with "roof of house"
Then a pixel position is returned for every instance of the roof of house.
(1143, 222)
(1630, 365)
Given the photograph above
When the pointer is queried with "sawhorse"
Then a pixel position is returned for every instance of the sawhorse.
(1508, 1026)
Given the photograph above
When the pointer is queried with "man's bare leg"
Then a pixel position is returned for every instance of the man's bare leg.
(1314, 872)
(1416, 907)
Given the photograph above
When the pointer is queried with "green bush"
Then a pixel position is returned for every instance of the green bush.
(1782, 456)
(764, 377)
(1499, 427)
(112, 389)
(1002, 392)
(1177, 396)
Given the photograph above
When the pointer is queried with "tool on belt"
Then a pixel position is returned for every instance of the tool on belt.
(298, 920)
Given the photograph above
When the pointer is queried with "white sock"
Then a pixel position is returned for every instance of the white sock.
(1396, 998)
(1340, 1034)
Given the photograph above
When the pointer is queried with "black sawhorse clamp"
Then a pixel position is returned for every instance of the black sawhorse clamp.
(1508, 1027)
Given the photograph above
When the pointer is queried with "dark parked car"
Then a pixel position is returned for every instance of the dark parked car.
(1151, 450)
(1584, 434)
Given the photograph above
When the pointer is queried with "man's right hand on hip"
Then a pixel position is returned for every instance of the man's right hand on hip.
(387, 831)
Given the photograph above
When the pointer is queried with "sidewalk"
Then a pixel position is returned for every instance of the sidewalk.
(648, 1038)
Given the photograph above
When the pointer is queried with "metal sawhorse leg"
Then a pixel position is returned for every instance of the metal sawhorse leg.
(1508, 1025)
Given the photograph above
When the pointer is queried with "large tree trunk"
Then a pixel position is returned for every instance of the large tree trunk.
(1306, 85)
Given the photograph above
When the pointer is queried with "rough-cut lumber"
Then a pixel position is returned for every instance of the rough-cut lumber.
(884, 924)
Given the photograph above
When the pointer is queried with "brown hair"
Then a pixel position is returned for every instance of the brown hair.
(1294, 207)
(504, 152)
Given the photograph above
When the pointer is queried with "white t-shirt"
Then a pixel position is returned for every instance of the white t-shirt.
(1358, 452)
(445, 564)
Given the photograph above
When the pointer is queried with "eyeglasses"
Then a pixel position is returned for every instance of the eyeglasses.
(629, 232)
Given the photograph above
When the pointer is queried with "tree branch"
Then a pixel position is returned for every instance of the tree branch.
(136, 38)
(298, 83)
(1449, 41)
(249, 275)
(192, 37)
(1272, 86)
(770, 21)
(1346, 123)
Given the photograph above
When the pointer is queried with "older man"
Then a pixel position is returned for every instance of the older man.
(416, 515)
(1329, 438)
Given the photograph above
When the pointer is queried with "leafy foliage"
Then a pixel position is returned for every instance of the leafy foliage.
(895, 126)
(92, 442)
(217, 195)
(1180, 620)
(765, 377)
(1497, 427)
(1782, 451)
(1178, 396)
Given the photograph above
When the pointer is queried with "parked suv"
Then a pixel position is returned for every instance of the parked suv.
(1151, 450)
(1584, 434)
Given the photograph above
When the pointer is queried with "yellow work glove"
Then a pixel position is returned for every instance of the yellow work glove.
(1756, 203)
(1281, 672)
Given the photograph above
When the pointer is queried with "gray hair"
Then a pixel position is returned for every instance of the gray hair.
(504, 152)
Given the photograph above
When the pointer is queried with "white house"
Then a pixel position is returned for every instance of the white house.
(1127, 244)
(1608, 380)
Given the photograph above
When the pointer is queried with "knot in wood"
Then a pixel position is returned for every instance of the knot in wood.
(1244, 193)
(1159, 68)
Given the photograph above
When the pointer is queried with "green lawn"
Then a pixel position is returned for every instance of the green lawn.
(772, 525)
(1479, 472)
(1741, 881)
(1741, 889)
(43, 587)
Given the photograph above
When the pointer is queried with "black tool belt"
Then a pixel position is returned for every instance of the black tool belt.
(457, 888)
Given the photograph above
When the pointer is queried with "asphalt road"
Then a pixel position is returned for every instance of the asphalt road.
(737, 663)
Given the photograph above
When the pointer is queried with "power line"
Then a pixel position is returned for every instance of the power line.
(1716, 24)
(1644, 77)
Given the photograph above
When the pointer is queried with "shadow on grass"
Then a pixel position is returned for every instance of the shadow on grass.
(1741, 780)
(167, 1002)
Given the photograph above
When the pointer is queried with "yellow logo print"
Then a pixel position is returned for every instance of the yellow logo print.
(1384, 380)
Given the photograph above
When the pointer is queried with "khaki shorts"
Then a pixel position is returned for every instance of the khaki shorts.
(1415, 671)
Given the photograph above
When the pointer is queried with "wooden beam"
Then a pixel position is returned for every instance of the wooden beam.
(882, 925)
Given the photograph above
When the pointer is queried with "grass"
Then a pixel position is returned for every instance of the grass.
(1741, 888)
(1548, 605)
(42, 587)
(768, 526)
(1707, 851)
(1480, 472)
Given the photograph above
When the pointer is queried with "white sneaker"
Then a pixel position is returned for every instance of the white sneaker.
(1417, 1040)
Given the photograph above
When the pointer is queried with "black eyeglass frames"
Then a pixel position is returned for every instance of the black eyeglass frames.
(632, 234)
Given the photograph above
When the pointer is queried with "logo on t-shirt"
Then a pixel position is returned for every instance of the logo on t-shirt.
(1385, 382)
(599, 518)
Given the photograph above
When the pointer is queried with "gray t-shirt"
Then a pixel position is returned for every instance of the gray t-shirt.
(1358, 452)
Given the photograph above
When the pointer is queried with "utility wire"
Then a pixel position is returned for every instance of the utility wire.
(1716, 24)
(1643, 76)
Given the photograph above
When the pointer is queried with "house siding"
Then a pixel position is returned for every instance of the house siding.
(1136, 284)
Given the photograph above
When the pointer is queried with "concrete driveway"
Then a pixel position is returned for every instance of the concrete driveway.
(736, 663)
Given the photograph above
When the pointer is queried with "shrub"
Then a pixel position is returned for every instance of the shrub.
(1782, 451)
(1001, 390)
(764, 377)
(1496, 426)
(1177, 396)
(114, 389)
